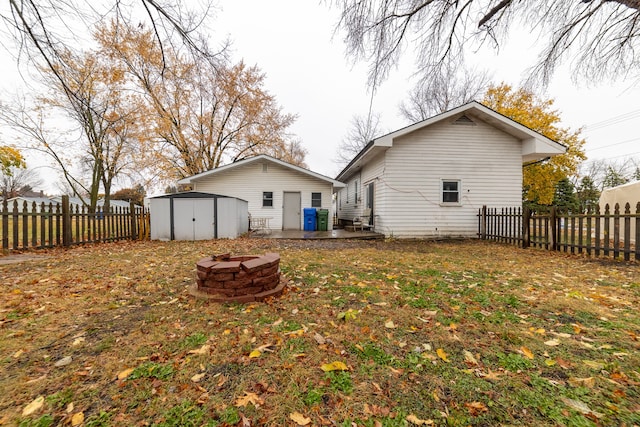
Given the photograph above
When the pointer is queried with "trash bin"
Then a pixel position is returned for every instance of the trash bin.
(309, 219)
(323, 219)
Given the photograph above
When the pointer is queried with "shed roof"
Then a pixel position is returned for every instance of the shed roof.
(193, 195)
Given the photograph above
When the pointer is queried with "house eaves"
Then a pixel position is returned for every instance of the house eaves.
(535, 146)
(258, 158)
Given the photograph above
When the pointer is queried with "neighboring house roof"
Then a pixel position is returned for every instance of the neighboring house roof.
(72, 200)
(535, 145)
(30, 200)
(261, 157)
(113, 203)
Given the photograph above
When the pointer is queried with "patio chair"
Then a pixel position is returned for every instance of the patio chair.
(363, 221)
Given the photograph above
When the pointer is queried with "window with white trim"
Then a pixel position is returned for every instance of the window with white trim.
(316, 200)
(267, 199)
(451, 191)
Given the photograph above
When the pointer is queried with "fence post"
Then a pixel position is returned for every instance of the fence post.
(66, 222)
(627, 231)
(5, 225)
(133, 220)
(526, 232)
(483, 223)
(553, 219)
(637, 245)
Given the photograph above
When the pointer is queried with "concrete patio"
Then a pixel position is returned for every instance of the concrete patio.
(315, 235)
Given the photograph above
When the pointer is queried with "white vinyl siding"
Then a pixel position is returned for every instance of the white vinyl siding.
(249, 182)
(487, 161)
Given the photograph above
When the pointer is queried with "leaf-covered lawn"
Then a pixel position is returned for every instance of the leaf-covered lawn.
(389, 333)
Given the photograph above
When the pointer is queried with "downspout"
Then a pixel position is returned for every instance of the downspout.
(172, 234)
(215, 217)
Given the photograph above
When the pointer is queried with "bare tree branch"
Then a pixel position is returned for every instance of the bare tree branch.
(601, 35)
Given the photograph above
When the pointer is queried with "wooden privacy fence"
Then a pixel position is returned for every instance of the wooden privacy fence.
(49, 225)
(595, 233)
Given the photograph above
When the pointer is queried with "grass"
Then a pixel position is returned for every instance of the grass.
(454, 333)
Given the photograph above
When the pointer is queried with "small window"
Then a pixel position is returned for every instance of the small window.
(316, 200)
(355, 189)
(267, 199)
(451, 191)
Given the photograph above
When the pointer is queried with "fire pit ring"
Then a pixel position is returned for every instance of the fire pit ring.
(242, 279)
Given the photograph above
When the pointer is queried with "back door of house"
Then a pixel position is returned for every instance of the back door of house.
(370, 199)
(291, 211)
(193, 219)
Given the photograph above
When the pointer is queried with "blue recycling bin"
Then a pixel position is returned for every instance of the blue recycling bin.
(309, 219)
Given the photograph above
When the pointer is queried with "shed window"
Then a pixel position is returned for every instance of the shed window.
(267, 199)
(316, 200)
(451, 191)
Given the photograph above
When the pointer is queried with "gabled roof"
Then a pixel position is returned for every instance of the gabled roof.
(535, 146)
(258, 158)
(30, 200)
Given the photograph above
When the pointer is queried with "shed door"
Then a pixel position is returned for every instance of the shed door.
(291, 211)
(193, 219)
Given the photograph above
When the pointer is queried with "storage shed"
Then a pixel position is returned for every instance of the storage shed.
(197, 216)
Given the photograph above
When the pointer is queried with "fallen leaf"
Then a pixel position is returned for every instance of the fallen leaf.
(77, 341)
(319, 339)
(197, 377)
(389, 324)
(442, 355)
(593, 364)
(124, 374)
(70, 407)
(32, 407)
(491, 376)
(17, 354)
(299, 419)
(476, 408)
(580, 407)
(249, 397)
(469, 358)
(334, 366)
(202, 350)
(347, 315)
(552, 343)
(77, 419)
(526, 352)
(254, 354)
(63, 362)
(417, 421)
(582, 382)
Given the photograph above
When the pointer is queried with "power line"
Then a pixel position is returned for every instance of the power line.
(614, 144)
(612, 157)
(613, 120)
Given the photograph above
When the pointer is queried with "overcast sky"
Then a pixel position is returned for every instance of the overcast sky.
(294, 44)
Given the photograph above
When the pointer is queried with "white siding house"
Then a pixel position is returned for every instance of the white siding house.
(429, 179)
(274, 189)
(26, 204)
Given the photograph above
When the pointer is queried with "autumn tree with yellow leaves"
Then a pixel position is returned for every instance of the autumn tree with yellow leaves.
(10, 157)
(539, 179)
(200, 114)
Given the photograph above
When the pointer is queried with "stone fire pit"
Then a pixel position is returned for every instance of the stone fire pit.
(224, 278)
